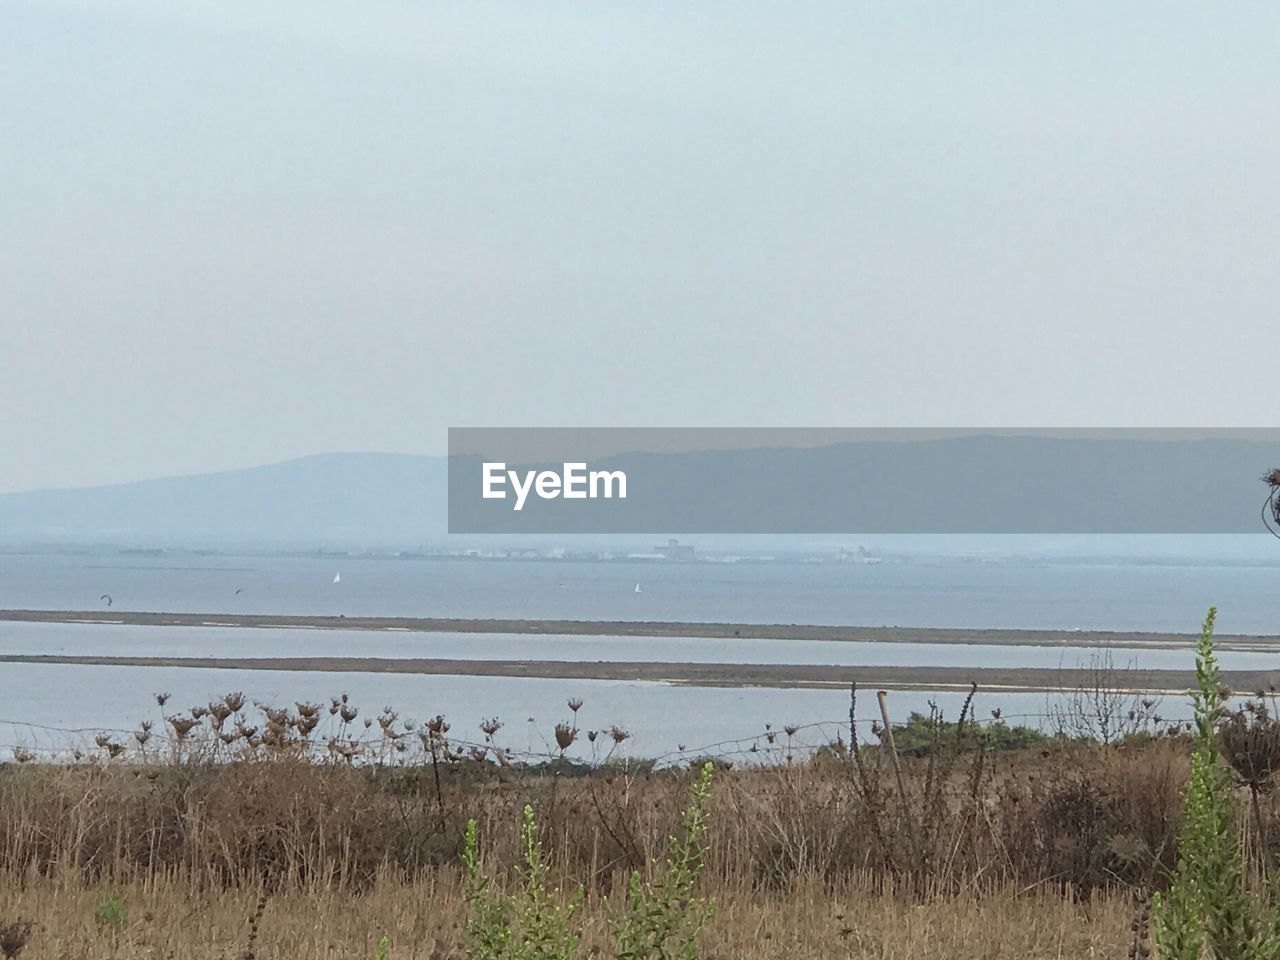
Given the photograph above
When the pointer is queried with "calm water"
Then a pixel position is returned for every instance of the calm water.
(45, 705)
(1036, 595)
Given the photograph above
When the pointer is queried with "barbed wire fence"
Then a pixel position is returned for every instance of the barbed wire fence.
(385, 739)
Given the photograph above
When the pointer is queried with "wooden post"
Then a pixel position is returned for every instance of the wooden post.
(853, 723)
(917, 861)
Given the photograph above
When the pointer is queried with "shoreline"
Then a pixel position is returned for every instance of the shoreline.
(646, 628)
(788, 676)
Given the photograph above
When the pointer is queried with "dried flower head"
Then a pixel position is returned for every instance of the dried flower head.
(182, 726)
(346, 749)
(565, 735)
(1250, 743)
(218, 713)
(1272, 505)
(275, 715)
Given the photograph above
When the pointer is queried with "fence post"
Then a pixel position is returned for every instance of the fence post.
(853, 723)
(916, 859)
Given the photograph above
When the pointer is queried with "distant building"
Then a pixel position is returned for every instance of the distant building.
(857, 556)
(675, 550)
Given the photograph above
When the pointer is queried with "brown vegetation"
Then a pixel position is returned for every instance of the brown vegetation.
(231, 793)
(352, 827)
(423, 920)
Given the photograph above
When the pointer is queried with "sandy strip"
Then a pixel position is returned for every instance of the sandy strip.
(641, 628)
(812, 676)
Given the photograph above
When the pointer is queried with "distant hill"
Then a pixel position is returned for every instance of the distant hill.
(341, 498)
(973, 484)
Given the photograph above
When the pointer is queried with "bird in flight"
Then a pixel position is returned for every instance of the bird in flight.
(239, 590)
(106, 597)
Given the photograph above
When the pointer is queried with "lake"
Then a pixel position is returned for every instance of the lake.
(1029, 594)
(48, 706)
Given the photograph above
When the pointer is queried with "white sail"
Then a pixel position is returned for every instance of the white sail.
(337, 578)
(637, 588)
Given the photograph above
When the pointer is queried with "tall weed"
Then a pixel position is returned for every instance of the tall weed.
(1208, 906)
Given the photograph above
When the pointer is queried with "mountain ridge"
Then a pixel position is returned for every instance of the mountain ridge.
(978, 484)
(318, 498)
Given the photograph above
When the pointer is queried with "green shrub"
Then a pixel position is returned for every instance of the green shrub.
(662, 919)
(111, 915)
(922, 735)
(527, 925)
(1208, 906)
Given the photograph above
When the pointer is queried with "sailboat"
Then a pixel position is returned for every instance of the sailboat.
(337, 578)
(637, 588)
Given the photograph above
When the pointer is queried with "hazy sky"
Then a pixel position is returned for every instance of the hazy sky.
(235, 232)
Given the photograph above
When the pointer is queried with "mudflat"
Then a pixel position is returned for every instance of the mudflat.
(649, 628)
(814, 676)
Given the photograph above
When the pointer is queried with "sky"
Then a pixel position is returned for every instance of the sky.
(238, 232)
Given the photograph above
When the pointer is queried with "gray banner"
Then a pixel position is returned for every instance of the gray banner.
(760, 481)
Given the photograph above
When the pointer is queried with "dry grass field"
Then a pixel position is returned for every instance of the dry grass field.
(423, 920)
(347, 833)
